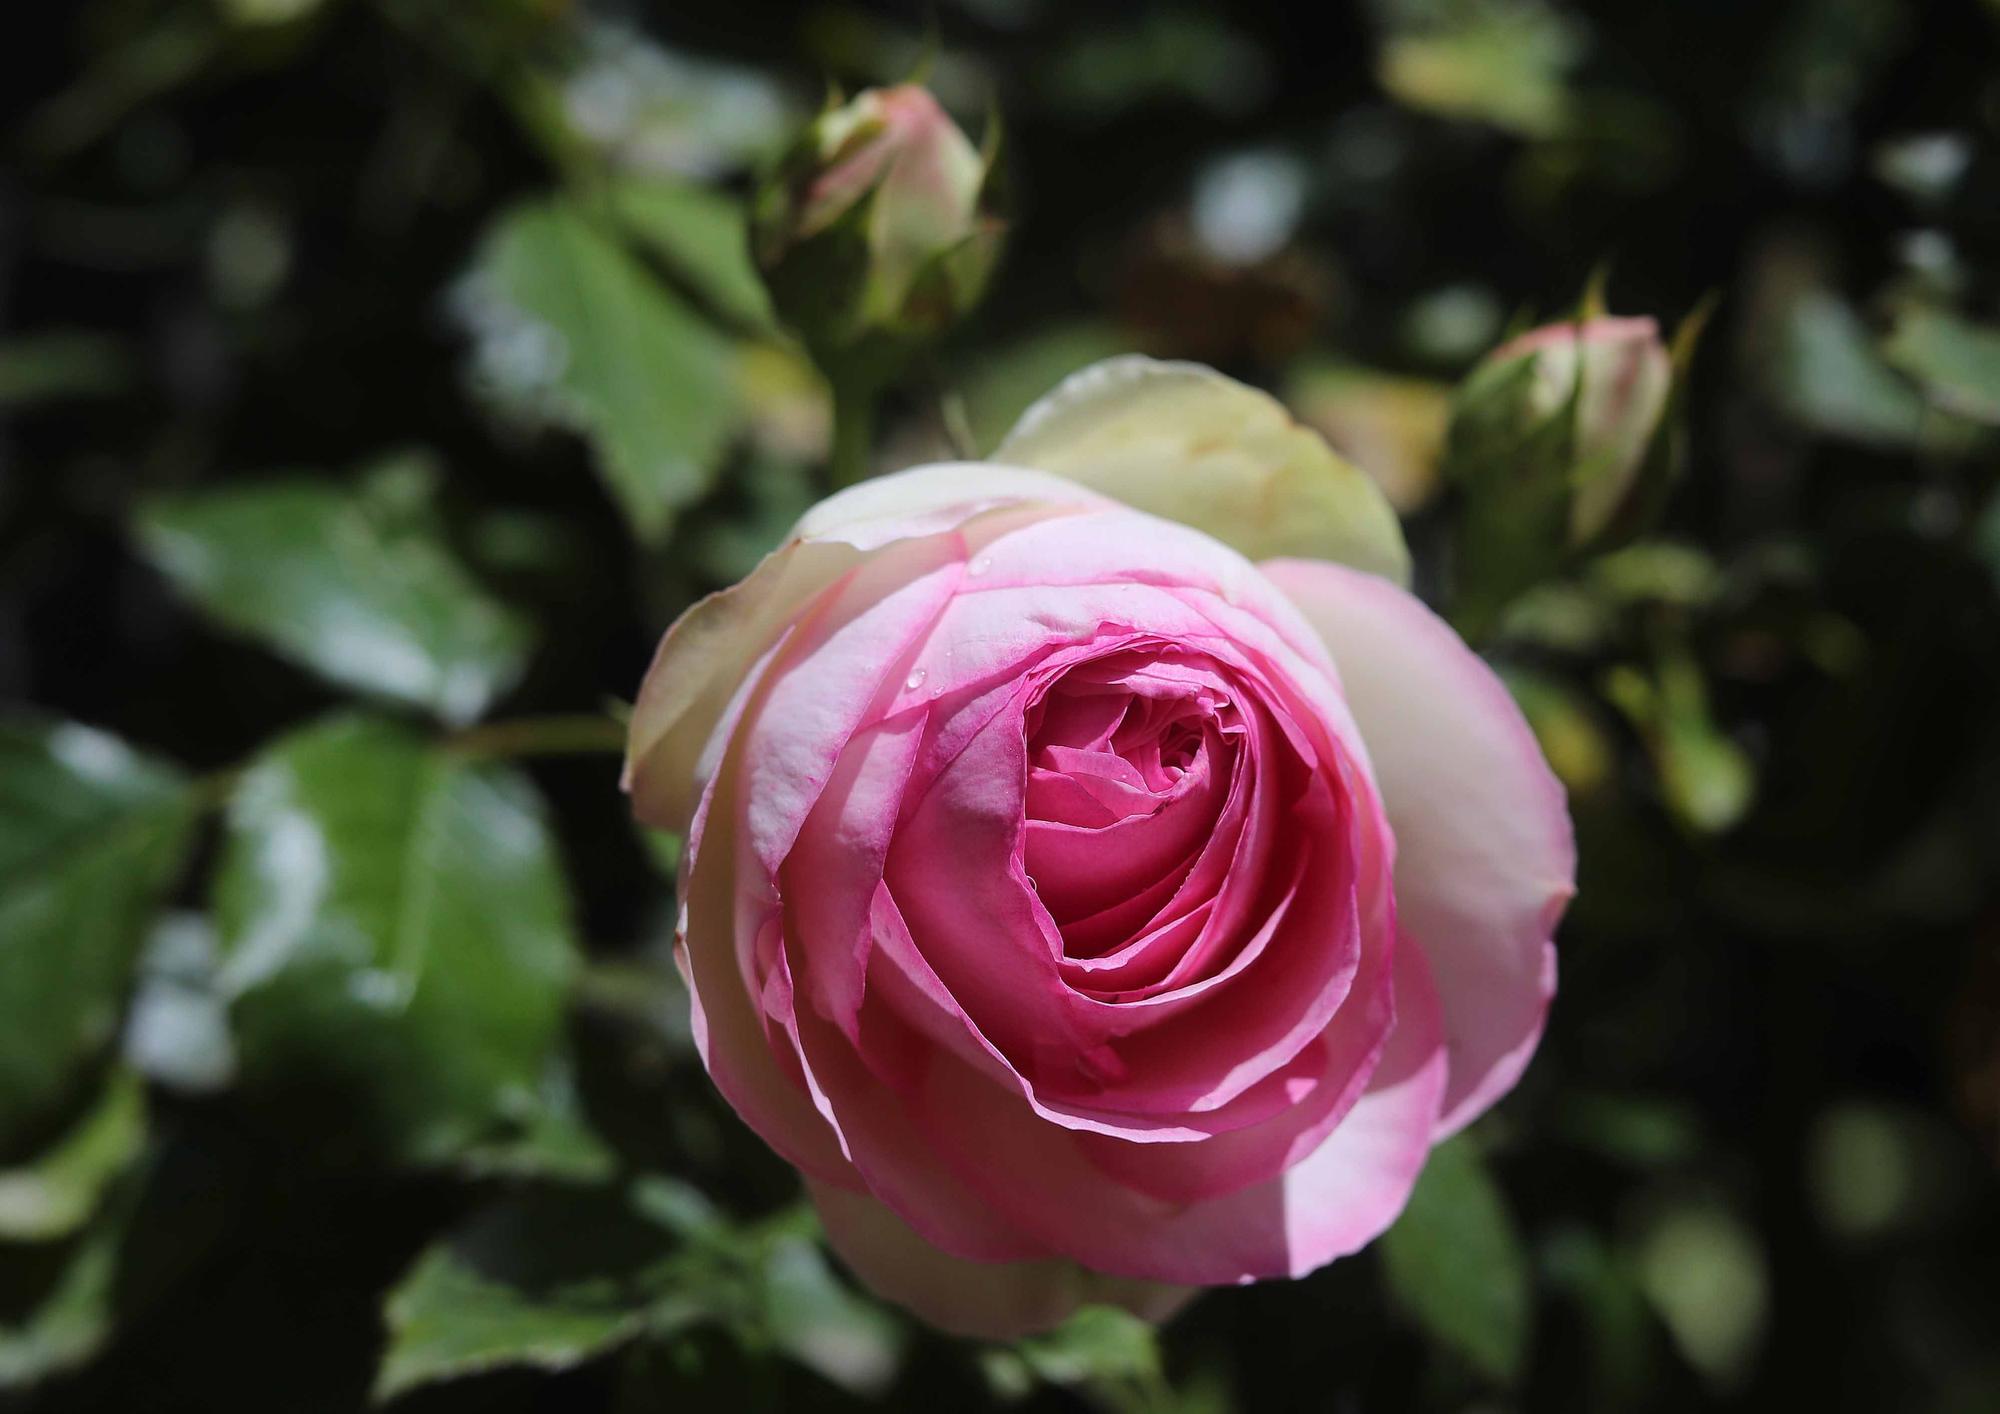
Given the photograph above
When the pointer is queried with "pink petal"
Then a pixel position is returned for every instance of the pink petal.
(984, 1300)
(1485, 859)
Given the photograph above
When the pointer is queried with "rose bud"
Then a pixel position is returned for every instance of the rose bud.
(1091, 905)
(1561, 443)
(872, 233)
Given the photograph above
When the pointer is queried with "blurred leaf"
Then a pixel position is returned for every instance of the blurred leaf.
(703, 236)
(545, 1281)
(1502, 62)
(73, 1321)
(1455, 1262)
(254, 13)
(1925, 167)
(1632, 1129)
(553, 1142)
(394, 925)
(1570, 735)
(1706, 778)
(60, 1190)
(571, 329)
(1827, 375)
(549, 1280)
(1562, 616)
(658, 111)
(1163, 52)
(1955, 360)
(1621, 1332)
(54, 364)
(326, 577)
(1873, 1169)
(824, 1324)
(1657, 572)
(767, 495)
(1389, 426)
(1704, 1273)
(91, 834)
(178, 1031)
(1098, 1342)
(1004, 383)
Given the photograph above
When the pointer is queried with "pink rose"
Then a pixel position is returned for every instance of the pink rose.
(1088, 911)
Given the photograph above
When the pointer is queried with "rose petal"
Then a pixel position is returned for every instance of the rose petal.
(1485, 858)
(985, 1300)
(1333, 1202)
(1183, 442)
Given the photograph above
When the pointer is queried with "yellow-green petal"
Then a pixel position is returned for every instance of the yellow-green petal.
(1182, 441)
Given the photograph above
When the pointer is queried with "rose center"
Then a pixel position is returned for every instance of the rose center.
(1129, 762)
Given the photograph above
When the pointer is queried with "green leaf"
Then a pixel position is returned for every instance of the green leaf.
(1828, 377)
(91, 834)
(1706, 1274)
(1502, 64)
(572, 329)
(553, 1140)
(552, 1278)
(1004, 383)
(1956, 361)
(394, 925)
(1456, 1263)
(344, 584)
(824, 1324)
(1707, 779)
(73, 1321)
(59, 1191)
(54, 365)
(545, 1281)
(703, 236)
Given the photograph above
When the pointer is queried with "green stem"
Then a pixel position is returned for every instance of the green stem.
(578, 734)
(853, 430)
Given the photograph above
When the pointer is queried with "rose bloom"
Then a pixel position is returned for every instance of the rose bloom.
(1087, 909)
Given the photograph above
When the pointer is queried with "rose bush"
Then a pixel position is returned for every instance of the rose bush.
(1087, 910)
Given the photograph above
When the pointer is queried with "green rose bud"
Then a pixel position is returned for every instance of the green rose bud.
(872, 234)
(1561, 443)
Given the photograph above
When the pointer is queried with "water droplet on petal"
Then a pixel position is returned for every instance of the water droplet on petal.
(980, 565)
(914, 681)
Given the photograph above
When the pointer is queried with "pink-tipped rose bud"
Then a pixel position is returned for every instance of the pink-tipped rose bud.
(873, 228)
(1619, 374)
(1560, 442)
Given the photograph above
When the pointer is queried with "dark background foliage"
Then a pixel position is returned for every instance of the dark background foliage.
(327, 486)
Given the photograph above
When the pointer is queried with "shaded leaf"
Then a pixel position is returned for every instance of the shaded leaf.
(1456, 1263)
(1708, 780)
(1955, 360)
(544, 1281)
(703, 236)
(395, 925)
(572, 329)
(823, 1323)
(1005, 383)
(73, 1321)
(52, 365)
(341, 584)
(1827, 376)
(59, 1191)
(91, 833)
(1705, 1273)
(1502, 64)
(551, 1279)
